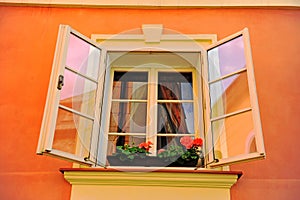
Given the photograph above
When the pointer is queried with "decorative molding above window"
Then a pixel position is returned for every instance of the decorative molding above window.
(156, 3)
(152, 32)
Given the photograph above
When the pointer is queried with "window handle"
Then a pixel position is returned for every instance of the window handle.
(60, 83)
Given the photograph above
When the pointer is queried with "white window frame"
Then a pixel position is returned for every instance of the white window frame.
(45, 145)
(254, 107)
(50, 113)
(152, 100)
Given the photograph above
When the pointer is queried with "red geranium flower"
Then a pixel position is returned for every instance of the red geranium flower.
(145, 145)
(187, 142)
(198, 142)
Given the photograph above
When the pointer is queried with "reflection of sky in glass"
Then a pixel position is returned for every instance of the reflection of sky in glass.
(78, 51)
(226, 58)
(81, 57)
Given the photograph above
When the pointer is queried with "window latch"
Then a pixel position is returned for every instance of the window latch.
(60, 83)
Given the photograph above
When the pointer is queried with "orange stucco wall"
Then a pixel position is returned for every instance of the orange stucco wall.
(28, 37)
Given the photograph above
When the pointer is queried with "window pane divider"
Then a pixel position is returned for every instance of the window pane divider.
(82, 75)
(175, 101)
(130, 100)
(227, 75)
(76, 112)
(122, 134)
(230, 114)
(176, 134)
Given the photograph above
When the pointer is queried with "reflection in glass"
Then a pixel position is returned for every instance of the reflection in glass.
(72, 133)
(229, 95)
(78, 93)
(130, 85)
(83, 57)
(128, 117)
(175, 118)
(175, 86)
(226, 58)
(129, 106)
(227, 142)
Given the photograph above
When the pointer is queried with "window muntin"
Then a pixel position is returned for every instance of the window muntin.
(78, 93)
(129, 102)
(229, 95)
(174, 106)
(70, 121)
(234, 128)
(77, 98)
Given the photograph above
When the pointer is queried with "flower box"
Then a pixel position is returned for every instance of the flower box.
(150, 161)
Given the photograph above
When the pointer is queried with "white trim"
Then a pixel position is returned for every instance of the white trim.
(239, 159)
(164, 37)
(45, 145)
(136, 42)
(156, 3)
(260, 154)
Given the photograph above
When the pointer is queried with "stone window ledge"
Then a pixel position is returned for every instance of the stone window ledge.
(150, 176)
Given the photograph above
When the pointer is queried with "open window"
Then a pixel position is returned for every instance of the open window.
(233, 131)
(71, 118)
(225, 111)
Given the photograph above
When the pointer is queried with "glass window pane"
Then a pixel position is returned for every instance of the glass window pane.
(72, 133)
(227, 142)
(115, 140)
(128, 117)
(175, 86)
(226, 58)
(229, 95)
(130, 85)
(78, 93)
(175, 118)
(83, 57)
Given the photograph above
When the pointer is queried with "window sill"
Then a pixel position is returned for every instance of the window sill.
(150, 183)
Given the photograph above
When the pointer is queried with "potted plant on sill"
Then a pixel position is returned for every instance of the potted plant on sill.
(131, 155)
(188, 154)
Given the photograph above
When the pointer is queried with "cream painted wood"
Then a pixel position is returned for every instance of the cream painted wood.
(126, 42)
(45, 145)
(170, 42)
(53, 95)
(149, 185)
(152, 101)
(260, 154)
(158, 3)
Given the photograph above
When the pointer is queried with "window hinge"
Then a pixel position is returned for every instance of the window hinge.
(60, 83)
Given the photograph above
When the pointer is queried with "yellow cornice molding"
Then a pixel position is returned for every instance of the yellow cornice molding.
(155, 3)
(160, 178)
